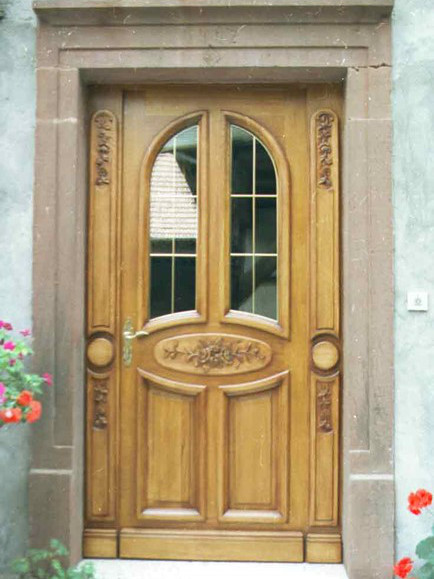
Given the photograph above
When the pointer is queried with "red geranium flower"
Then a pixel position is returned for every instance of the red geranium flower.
(403, 567)
(24, 398)
(11, 415)
(35, 411)
(425, 497)
(418, 500)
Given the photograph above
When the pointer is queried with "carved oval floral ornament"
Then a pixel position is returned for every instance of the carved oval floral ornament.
(214, 354)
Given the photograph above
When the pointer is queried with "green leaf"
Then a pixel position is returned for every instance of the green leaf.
(426, 572)
(58, 567)
(20, 566)
(58, 548)
(425, 549)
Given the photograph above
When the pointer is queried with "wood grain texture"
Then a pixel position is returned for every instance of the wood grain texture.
(102, 221)
(215, 445)
(253, 467)
(213, 354)
(100, 543)
(211, 545)
(102, 317)
(323, 548)
(325, 324)
(170, 450)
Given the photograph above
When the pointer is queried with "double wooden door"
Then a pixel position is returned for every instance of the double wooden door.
(213, 324)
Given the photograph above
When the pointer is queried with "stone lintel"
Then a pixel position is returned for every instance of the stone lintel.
(141, 12)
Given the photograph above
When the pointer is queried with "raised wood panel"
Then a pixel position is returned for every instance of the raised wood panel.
(254, 451)
(102, 222)
(212, 545)
(325, 452)
(101, 455)
(170, 449)
(325, 221)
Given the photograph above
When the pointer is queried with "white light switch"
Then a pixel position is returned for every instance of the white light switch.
(417, 301)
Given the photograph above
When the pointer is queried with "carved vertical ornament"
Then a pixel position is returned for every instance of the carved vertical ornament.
(324, 127)
(100, 394)
(324, 409)
(104, 123)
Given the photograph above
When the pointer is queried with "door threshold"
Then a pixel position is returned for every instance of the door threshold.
(134, 569)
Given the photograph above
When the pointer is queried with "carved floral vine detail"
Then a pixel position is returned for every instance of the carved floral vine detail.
(324, 409)
(100, 394)
(324, 125)
(216, 353)
(104, 126)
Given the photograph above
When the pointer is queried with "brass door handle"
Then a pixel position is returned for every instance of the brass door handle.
(131, 335)
(128, 335)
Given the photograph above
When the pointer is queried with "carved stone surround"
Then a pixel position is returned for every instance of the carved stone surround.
(273, 41)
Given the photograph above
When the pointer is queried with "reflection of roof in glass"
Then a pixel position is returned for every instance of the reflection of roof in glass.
(173, 208)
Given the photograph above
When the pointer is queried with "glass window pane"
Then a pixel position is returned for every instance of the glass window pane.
(186, 156)
(161, 283)
(264, 172)
(253, 226)
(242, 224)
(161, 246)
(185, 281)
(265, 228)
(265, 291)
(174, 224)
(241, 283)
(185, 246)
(242, 161)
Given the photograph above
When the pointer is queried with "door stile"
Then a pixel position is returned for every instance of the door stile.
(324, 539)
(100, 535)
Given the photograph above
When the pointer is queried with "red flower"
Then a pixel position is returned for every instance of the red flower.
(35, 411)
(9, 346)
(425, 497)
(403, 567)
(5, 325)
(25, 398)
(48, 378)
(25, 333)
(418, 500)
(11, 415)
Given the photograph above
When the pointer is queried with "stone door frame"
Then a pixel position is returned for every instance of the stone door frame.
(82, 42)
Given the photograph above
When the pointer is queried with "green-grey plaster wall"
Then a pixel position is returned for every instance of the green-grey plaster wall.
(17, 112)
(413, 173)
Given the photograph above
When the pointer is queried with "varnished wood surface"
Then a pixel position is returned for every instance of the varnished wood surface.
(226, 462)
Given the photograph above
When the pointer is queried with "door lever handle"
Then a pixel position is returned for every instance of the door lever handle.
(128, 335)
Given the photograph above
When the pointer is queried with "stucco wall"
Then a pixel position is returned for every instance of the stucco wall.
(413, 114)
(17, 109)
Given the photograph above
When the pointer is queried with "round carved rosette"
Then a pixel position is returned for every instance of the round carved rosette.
(325, 356)
(100, 352)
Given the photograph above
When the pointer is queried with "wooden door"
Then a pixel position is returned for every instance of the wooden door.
(213, 389)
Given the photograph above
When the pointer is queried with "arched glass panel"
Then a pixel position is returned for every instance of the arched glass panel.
(253, 226)
(174, 225)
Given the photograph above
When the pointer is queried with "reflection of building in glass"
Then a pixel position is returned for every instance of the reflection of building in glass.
(173, 207)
